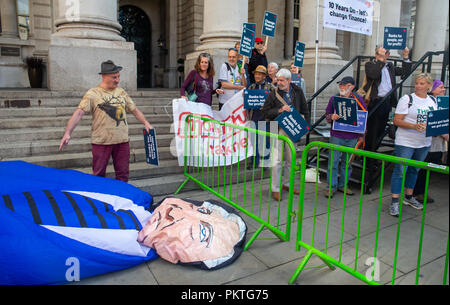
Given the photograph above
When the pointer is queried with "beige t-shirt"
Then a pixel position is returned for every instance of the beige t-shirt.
(108, 109)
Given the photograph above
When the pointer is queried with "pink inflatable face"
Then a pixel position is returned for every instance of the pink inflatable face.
(182, 231)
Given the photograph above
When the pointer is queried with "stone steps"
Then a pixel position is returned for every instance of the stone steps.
(56, 133)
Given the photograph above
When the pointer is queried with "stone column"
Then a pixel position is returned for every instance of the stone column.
(8, 18)
(431, 31)
(328, 60)
(88, 33)
(289, 30)
(222, 27)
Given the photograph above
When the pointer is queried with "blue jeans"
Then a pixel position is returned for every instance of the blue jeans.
(418, 154)
(339, 169)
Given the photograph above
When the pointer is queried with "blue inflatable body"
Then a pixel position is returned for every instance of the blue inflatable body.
(63, 225)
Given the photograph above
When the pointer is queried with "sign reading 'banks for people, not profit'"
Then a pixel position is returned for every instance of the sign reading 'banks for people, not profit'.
(247, 42)
(394, 38)
(293, 124)
(349, 15)
(269, 24)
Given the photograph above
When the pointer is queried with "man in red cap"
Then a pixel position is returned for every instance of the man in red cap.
(258, 58)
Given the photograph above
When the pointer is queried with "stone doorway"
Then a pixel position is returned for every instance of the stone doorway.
(136, 27)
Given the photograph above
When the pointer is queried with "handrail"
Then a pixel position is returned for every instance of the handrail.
(388, 95)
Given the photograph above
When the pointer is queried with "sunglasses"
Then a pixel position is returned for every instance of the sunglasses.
(205, 55)
(259, 42)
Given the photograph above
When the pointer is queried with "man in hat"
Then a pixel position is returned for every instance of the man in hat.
(286, 97)
(258, 58)
(260, 74)
(109, 105)
(342, 138)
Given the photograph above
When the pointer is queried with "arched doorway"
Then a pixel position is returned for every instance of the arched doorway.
(136, 27)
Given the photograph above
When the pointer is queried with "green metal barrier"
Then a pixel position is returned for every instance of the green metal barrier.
(234, 183)
(333, 262)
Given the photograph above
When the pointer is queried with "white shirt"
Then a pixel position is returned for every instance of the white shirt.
(233, 77)
(417, 113)
(385, 85)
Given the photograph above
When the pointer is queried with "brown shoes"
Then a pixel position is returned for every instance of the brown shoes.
(349, 191)
(276, 196)
(286, 188)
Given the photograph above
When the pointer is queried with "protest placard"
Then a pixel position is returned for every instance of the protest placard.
(359, 128)
(254, 99)
(437, 123)
(394, 38)
(442, 102)
(151, 147)
(269, 24)
(293, 124)
(299, 54)
(347, 109)
(247, 42)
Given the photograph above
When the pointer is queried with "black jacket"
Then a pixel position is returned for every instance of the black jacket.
(273, 104)
(373, 74)
(256, 60)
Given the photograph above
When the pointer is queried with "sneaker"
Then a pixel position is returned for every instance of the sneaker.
(413, 203)
(393, 210)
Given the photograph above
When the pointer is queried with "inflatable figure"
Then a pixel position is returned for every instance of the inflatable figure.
(63, 225)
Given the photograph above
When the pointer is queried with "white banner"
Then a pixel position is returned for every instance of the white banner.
(211, 144)
(349, 15)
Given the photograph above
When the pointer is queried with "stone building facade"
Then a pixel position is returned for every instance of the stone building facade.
(156, 40)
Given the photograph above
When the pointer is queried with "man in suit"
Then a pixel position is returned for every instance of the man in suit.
(381, 75)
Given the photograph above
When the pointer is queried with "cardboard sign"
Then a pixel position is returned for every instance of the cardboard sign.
(359, 128)
(437, 123)
(347, 109)
(293, 124)
(394, 38)
(254, 99)
(151, 147)
(299, 54)
(269, 24)
(442, 102)
(247, 42)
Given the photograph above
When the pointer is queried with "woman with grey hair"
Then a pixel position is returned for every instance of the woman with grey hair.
(272, 70)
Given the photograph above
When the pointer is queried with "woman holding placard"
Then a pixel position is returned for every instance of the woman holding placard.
(410, 139)
(437, 148)
(198, 85)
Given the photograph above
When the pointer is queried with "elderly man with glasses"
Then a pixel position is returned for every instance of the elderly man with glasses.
(258, 58)
(231, 79)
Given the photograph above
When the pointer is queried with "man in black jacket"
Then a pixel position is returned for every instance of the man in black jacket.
(292, 96)
(381, 76)
(258, 58)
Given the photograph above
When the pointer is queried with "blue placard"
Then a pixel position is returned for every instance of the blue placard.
(296, 78)
(360, 128)
(442, 102)
(151, 147)
(437, 123)
(293, 124)
(299, 54)
(254, 98)
(247, 42)
(269, 24)
(347, 109)
(394, 38)
(250, 26)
